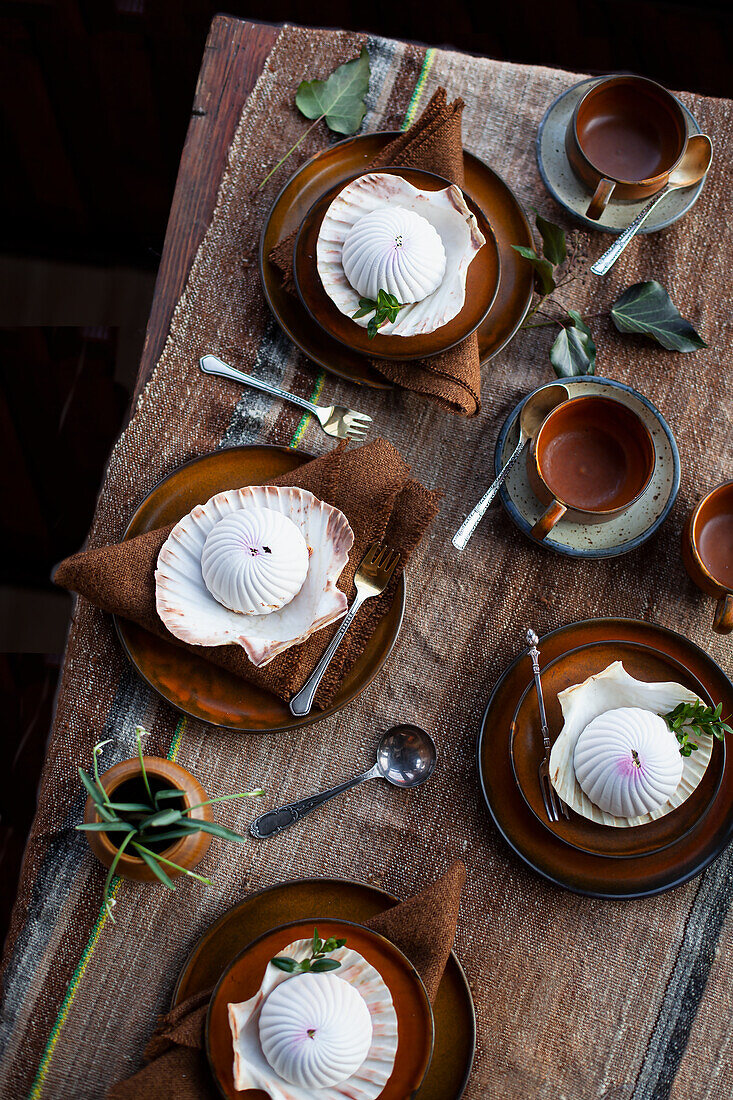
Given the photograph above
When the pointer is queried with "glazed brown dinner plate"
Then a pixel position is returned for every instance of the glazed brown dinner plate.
(243, 976)
(191, 683)
(482, 285)
(337, 899)
(570, 855)
(339, 163)
(645, 663)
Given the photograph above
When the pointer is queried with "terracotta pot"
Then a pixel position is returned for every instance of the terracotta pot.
(715, 508)
(187, 852)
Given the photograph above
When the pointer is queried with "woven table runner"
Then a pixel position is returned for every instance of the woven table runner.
(574, 997)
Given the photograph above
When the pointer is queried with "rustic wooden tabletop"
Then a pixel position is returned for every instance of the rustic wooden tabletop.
(234, 57)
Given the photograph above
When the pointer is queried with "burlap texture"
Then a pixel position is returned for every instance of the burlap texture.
(574, 997)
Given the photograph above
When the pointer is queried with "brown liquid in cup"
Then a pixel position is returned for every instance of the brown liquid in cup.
(715, 547)
(628, 134)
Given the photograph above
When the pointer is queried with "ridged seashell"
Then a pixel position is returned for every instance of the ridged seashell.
(394, 250)
(315, 1030)
(607, 691)
(628, 761)
(448, 214)
(252, 1070)
(254, 561)
(190, 612)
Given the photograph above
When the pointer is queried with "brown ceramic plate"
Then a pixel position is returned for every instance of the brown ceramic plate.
(582, 871)
(482, 284)
(243, 976)
(340, 162)
(191, 683)
(643, 663)
(455, 1024)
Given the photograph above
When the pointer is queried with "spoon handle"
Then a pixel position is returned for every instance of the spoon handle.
(475, 516)
(275, 821)
(605, 262)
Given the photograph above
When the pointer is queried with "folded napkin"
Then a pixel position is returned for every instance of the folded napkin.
(433, 143)
(423, 928)
(370, 485)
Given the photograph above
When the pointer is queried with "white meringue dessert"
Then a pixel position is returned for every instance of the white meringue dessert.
(254, 561)
(381, 233)
(352, 1051)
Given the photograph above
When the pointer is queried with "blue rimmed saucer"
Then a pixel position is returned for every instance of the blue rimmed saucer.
(616, 536)
(565, 187)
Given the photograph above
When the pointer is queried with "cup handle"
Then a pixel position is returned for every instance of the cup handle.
(723, 621)
(547, 520)
(599, 202)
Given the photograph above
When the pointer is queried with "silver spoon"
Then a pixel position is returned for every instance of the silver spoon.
(406, 757)
(533, 414)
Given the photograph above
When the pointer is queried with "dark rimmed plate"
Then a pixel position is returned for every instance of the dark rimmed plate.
(338, 163)
(527, 749)
(194, 685)
(243, 976)
(455, 1024)
(580, 871)
(482, 284)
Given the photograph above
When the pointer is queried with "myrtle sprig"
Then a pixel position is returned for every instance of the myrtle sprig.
(385, 308)
(317, 963)
(696, 718)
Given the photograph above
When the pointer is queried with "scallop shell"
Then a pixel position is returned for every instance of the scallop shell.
(445, 210)
(253, 1071)
(609, 690)
(191, 613)
(394, 250)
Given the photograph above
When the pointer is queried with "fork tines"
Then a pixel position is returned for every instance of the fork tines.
(379, 556)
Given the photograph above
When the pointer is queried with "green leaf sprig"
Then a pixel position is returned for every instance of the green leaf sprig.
(385, 308)
(317, 963)
(339, 101)
(696, 719)
(150, 821)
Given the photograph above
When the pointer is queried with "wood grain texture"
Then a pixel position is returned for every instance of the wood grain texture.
(234, 56)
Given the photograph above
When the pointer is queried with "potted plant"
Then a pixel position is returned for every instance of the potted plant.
(148, 818)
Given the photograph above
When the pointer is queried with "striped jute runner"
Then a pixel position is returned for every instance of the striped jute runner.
(574, 997)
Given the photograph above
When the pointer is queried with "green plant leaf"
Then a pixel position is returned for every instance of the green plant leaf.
(573, 352)
(164, 795)
(543, 268)
(214, 828)
(155, 867)
(554, 245)
(161, 818)
(320, 966)
(340, 98)
(286, 964)
(648, 310)
(107, 827)
(130, 807)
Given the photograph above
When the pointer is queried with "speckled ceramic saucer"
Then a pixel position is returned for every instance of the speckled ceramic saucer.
(566, 188)
(616, 536)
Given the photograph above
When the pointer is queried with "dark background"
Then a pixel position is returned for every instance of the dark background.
(95, 103)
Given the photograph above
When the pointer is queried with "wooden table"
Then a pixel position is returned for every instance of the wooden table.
(234, 57)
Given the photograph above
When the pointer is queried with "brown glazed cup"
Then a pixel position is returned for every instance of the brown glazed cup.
(626, 135)
(125, 780)
(707, 551)
(590, 461)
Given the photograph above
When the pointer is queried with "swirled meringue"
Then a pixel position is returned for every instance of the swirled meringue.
(395, 250)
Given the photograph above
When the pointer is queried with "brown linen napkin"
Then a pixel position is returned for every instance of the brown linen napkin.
(370, 485)
(433, 143)
(423, 927)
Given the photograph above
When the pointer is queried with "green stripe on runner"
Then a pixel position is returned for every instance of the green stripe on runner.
(177, 735)
(295, 441)
(414, 102)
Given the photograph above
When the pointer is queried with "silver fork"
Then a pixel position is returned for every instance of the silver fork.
(554, 805)
(336, 420)
(372, 577)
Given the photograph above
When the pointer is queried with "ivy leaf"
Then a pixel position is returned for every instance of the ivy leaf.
(554, 246)
(647, 309)
(574, 352)
(340, 98)
(543, 268)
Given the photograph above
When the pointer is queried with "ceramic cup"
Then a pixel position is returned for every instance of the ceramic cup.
(707, 551)
(591, 460)
(626, 135)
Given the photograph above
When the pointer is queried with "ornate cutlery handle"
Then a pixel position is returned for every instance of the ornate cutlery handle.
(605, 262)
(275, 821)
(535, 655)
(475, 516)
(211, 364)
(301, 703)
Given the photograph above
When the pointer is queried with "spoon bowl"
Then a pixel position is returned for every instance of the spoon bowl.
(406, 756)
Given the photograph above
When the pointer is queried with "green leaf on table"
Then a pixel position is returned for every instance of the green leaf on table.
(574, 352)
(554, 246)
(542, 268)
(648, 310)
(340, 98)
